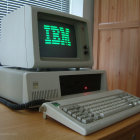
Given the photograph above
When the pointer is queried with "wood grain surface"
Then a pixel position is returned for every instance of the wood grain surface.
(116, 46)
(30, 125)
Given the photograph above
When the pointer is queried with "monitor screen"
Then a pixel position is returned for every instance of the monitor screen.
(56, 39)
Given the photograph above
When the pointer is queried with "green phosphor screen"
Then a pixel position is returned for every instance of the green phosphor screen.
(57, 39)
(57, 35)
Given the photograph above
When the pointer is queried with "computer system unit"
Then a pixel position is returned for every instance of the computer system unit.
(21, 86)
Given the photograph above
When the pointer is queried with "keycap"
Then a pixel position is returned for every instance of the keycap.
(87, 120)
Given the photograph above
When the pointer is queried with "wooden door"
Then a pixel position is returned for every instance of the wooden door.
(116, 43)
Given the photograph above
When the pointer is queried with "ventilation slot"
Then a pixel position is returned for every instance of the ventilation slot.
(45, 94)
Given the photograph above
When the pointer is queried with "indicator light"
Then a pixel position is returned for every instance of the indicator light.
(85, 87)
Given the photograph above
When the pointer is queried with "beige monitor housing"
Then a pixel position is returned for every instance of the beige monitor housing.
(19, 44)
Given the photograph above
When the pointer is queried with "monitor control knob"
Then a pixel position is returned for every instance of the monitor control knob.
(85, 47)
(85, 52)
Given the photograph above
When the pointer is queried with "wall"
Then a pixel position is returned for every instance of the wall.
(76, 7)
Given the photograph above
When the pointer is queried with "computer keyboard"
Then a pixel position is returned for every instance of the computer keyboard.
(87, 114)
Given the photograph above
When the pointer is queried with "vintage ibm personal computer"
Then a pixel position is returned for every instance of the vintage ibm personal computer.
(47, 56)
(35, 40)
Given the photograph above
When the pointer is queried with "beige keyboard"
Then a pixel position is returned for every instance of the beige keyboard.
(87, 114)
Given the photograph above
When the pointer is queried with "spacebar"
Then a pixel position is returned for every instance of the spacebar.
(116, 110)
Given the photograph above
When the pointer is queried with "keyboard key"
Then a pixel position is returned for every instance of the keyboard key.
(87, 120)
(72, 111)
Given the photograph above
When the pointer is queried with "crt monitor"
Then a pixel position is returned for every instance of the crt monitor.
(34, 37)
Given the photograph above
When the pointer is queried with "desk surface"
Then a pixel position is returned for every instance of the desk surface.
(30, 125)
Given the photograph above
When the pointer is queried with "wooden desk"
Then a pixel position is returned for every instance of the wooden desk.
(30, 125)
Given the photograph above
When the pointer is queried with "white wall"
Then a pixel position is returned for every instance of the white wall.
(76, 7)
